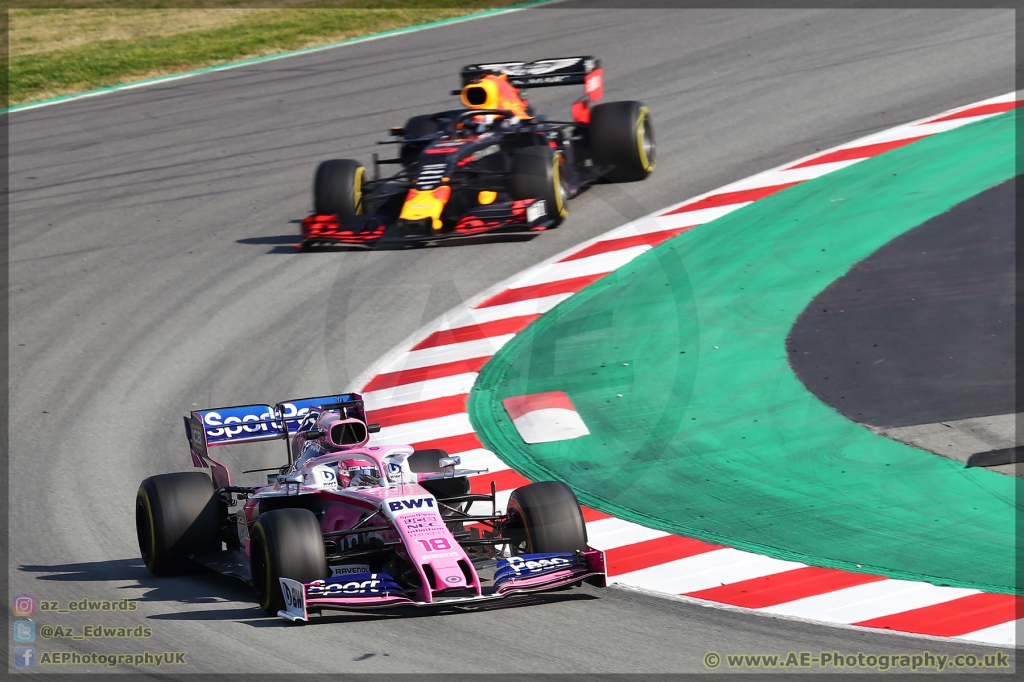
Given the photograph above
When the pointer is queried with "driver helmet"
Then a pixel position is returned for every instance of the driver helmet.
(357, 472)
(482, 123)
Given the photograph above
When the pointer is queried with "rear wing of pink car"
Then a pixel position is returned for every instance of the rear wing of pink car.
(218, 426)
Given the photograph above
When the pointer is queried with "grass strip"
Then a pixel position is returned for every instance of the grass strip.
(43, 74)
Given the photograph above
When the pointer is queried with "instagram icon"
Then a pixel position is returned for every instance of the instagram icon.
(24, 605)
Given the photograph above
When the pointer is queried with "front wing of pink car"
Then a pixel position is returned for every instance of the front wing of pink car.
(513, 575)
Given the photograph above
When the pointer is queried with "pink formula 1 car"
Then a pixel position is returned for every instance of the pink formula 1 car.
(348, 525)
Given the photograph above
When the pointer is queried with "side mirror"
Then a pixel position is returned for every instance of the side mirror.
(312, 435)
(445, 462)
(373, 428)
(295, 478)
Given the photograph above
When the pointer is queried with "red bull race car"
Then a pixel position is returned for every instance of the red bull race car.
(493, 165)
(348, 525)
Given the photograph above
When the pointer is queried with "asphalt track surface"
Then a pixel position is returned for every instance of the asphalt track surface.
(922, 330)
(152, 270)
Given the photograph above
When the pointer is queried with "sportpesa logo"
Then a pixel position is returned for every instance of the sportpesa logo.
(236, 423)
(372, 584)
(530, 566)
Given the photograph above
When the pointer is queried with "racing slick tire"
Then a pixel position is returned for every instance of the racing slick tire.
(176, 515)
(338, 188)
(284, 543)
(536, 174)
(622, 136)
(545, 517)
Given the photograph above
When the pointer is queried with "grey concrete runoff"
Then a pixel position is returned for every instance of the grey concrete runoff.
(152, 271)
(960, 438)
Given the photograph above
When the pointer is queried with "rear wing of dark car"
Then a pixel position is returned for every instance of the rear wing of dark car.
(584, 71)
(253, 423)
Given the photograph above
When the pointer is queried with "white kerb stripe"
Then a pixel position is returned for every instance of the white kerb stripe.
(405, 394)
(781, 177)
(531, 306)
(427, 429)
(594, 265)
(871, 600)
(479, 458)
(655, 224)
(706, 570)
(1004, 633)
(606, 534)
(453, 352)
(550, 424)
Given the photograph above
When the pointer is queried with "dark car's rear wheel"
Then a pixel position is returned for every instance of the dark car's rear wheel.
(545, 517)
(536, 174)
(284, 543)
(175, 515)
(622, 136)
(338, 188)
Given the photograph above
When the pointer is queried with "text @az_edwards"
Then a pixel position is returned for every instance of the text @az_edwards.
(839, 661)
(95, 632)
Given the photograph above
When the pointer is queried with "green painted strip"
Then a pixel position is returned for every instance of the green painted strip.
(714, 437)
(267, 58)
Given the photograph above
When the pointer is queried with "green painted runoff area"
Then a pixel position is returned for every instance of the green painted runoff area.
(699, 427)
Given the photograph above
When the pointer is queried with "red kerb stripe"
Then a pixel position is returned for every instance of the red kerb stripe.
(592, 514)
(863, 152)
(983, 110)
(653, 552)
(452, 444)
(508, 325)
(413, 376)
(737, 197)
(757, 593)
(414, 412)
(609, 245)
(562, 286)
(953, 618)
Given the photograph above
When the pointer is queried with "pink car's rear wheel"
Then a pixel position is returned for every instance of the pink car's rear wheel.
(175, 515)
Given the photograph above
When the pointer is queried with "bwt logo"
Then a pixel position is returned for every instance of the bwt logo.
(520, 565)
(418, 503)
(293, 597)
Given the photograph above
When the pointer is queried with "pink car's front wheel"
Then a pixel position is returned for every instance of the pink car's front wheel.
(284, 543)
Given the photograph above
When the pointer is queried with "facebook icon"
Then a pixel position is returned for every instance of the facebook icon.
(24, 656)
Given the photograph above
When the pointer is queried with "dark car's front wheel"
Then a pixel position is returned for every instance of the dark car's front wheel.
(622, 136)
(536, 174)
(338, 188)
(284, 543)
(175, 515)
